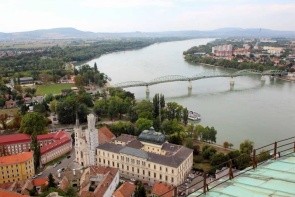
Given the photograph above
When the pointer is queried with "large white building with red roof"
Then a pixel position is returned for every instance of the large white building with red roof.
(53, 145)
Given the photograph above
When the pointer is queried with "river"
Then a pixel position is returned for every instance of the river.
(259, 112)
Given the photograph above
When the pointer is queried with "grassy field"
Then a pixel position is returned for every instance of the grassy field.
(52, 88)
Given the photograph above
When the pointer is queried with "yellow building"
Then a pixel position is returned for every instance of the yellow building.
(16, 167)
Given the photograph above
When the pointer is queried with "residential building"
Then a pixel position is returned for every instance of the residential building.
(53, 145)
(241, 51)
(99, 181)
(163, 190)
(16, 167)
(127, 189)
(14, 144)
(87, 140)
(277, 51)
(148, 158)
(223, 50)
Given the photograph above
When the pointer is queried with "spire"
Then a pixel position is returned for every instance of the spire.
(77, 120)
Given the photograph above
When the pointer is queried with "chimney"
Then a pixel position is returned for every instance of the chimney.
(58, 173)
(74, 172)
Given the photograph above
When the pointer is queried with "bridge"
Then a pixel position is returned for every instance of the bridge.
(173, 78)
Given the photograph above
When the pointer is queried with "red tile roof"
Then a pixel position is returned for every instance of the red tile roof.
(14, 138)
(109, 175)
(125, 190)
(40, 182)
(18, 158)
(60, 138)
(5, 193)
(105, 135)
(162, 188)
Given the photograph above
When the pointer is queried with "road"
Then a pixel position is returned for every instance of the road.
(65, 163)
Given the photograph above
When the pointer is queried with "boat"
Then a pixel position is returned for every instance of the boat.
(194, 116)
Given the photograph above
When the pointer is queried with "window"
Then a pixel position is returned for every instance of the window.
(160, 176)
(155, 175)
(154, 166)
(166, 178)
(172, 180)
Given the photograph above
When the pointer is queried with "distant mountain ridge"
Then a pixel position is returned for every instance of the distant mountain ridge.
(72, 33)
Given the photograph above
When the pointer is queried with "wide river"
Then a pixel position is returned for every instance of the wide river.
(261, 113)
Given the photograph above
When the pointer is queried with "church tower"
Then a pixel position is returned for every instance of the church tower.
(92, 138)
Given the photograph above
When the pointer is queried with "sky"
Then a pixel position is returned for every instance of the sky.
(145, 15)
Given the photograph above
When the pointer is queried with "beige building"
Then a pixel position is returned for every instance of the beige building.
(148, 158)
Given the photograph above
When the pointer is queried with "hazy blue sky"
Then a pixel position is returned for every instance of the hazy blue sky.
(145, 15)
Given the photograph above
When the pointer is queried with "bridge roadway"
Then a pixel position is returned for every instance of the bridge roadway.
(172, 78)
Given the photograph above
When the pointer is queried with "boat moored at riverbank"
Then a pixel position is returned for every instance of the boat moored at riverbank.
(194, 116)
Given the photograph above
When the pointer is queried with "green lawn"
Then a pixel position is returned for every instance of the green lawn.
(52, 88)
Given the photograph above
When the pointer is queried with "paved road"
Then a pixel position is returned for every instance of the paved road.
(65, 163)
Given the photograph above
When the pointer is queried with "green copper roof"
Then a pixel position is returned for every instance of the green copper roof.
(273, 178)
(152, 136)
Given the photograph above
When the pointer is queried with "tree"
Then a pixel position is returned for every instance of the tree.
(66, 110)
(218, 159)
(16, 120)
(246, 147)
(101, 107)
(37, 152)
(95, 67)
(263, 156)
(53, 106)
(189, 143)
(185, 116)
(225, 144)
(2, 102)
(51, 181)
(40, 108)
(208, 152)
(143, 124)
(33, 123)
(139, 190)
(3, 120)
(48, 98)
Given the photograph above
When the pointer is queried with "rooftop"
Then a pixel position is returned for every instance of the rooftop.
(14, 138)
(162, 188)
(105, 135)
(273, 178)
(125, 190)
(17, 158)
(5, 193)
(152, 136)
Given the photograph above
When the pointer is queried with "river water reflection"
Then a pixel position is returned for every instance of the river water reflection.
(261, 113)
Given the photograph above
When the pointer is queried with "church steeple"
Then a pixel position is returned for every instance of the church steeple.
(77, 120)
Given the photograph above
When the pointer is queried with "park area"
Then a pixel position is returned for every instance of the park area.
(52, 88)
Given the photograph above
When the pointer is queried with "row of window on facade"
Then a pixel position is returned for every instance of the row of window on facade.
(132, 169)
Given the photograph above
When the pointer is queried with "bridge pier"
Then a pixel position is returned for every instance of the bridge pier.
(263, 79)
(232, 83)
(190, 87)
(147, 92)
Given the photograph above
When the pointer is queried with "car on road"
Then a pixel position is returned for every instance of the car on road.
(40, 174)
(133, 180)
(69, 156)
(59, 162)
(33, 177)
(55, 165)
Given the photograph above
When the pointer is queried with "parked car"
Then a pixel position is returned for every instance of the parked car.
(55, 165)
(69, 156)
(59, 162)
(40, 174)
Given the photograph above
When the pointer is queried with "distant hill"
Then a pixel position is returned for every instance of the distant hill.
(72, 33)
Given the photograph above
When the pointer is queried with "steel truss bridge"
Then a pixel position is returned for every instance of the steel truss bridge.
(172, 78)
